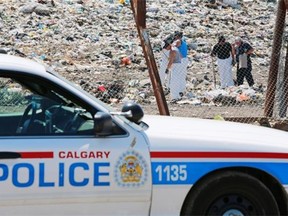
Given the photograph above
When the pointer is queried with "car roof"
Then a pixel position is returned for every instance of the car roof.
(14, 63)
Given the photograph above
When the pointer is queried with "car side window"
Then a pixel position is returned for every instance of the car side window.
(27, 108)
(13, 102)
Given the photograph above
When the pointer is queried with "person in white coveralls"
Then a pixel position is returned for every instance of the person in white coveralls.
(170, 68)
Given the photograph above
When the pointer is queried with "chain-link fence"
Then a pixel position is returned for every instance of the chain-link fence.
(232, 82)
(11, 96)
(201, 85)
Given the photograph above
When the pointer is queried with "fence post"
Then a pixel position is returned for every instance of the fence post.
(275, 58)
(139, 11)
(284, 90)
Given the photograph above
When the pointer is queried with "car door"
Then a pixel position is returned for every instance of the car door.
(51, 160)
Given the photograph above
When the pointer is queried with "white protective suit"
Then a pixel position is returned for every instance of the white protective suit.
(225, 72)
(172, 80)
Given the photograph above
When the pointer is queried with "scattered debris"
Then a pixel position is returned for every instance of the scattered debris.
(95, 44)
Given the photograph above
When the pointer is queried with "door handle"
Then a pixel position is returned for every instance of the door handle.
(9, 155)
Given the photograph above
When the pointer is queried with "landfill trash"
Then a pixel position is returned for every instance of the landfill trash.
(102, 88)
(230, 2)
(282, 125)
(218, 117)
(242, 97)
(95, 44)
(126, 61)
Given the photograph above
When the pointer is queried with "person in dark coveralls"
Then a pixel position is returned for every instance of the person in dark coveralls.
(243, 51)
(225, 58)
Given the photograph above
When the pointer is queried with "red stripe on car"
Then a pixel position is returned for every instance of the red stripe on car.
(267, 155)
(36, 155)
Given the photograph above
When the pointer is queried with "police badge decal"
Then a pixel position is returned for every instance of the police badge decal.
(131, 170)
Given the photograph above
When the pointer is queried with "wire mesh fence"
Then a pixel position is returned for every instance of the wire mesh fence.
(199, 85)
(11, 96)
(229, 78)
(232, 82)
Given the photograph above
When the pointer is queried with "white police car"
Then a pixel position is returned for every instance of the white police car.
(65, 152)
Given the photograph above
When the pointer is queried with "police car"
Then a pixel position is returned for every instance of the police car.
(65, 152)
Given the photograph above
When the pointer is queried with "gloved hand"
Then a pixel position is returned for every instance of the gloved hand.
(167, 70)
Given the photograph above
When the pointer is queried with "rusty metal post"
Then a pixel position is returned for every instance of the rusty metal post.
(275, 58)
(284, 90)
(286, 4)
(139, 11)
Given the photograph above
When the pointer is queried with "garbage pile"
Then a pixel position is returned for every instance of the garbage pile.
(231, 96)
(95, 43)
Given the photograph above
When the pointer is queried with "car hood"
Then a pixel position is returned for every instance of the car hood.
(168, 133)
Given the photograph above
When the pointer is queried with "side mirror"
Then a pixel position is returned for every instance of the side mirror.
(102, 124)
(136, 112)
